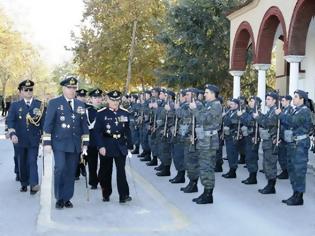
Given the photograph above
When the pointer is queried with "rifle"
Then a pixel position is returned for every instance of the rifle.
(154, 120)
(276, 147)
(176, 118)
(238, 135)
(256, 127)
(193, 127)
(86, 180)
(166, 120)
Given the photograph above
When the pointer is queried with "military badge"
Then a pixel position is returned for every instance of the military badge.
(62, 118)
(20, 117)
(80, 110)
(63, 125)
(107, 126)
(20, 109)
(37, 111)
(68, 126)
(108, 131)
(123, 119)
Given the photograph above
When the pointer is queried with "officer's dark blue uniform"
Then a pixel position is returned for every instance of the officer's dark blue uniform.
(25, 122)
(65, 129)
(113, 134)
(92, 157)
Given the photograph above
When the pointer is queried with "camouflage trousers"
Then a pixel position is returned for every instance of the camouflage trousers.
(297, 163)
(251, 156)
(270, 160)
(191, 162)
(282, 156)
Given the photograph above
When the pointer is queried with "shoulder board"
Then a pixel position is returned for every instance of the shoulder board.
(123, 109)
(103, 109)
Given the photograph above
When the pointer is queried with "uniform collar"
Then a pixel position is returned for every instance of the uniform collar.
(30, 101)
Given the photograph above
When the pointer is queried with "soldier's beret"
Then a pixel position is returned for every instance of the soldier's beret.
(114, 95)
(257, 99)
(69, 81)
(26, 84)
(96, 93)
(273, 95)
(302, 94)
(236, 101)
(156, 89)
(81, 92)
(212, 88)
(287, 97)
(170, 93)
(147, 91)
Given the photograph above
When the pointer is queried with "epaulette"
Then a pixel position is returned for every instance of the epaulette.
(104, 108)
(124, 109)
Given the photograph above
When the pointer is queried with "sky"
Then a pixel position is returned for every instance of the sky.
(47, 24)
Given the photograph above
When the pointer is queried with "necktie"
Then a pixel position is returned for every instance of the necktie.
(28, 104)
(70, 104)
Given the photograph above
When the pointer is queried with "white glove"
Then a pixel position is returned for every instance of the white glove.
(129, 155)
(84, 150)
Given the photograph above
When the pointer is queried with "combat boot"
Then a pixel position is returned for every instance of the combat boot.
(297, 200)
(218, 166)
(147, 157)
(192, 187)
(136, 150)
(153, 162)
(252, 179)
(231, 174)
(283, 175)
(269, 188)
(179, 178)
(290, 198)
(159, 168)
(165, 172)
(242, 159)
(206, 197)
(142, 154)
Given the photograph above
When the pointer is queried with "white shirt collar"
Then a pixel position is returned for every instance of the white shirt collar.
(30, 101)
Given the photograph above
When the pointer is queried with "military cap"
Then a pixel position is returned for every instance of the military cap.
(235, 100)
(135, 96)
(192, 90)
(69, 81)
(156, 89)
(199, 91)
(114, 95)
(302, 94)
(163, 90)
(183, 92)
(273, 95)
(287, 97)
(212, 88)
(96, 93)
(81, 92)
(26, 84)
(148, 92)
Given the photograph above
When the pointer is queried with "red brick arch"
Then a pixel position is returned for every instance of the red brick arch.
(268, 27)
(301, 18)
(243, 36)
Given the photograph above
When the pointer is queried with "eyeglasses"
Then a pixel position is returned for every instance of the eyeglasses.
(28, 90)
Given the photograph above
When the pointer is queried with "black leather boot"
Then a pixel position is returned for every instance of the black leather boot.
(218, 167)
(293, 195)
(192, 187)
(242, 159)
(252, 179)
(231, 174)
(269, 188)
(153, 162)
(147, 157)
(159, 168)
(136, 150)
(179, 178)
(283, 175)
(142, 154)
(206, 197)
(165, 172)
(297, 200)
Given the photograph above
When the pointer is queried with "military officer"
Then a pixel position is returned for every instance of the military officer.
(113, 139)
(268, 133)
(282, 155)
(25, 123)
(298, 126)
(66, 133)
(81, 95)
(208, 122)
(92, 153)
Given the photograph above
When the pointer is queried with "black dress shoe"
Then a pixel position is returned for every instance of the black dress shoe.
(23, 189)
(125, 199)
(17, 178)
(34, 189)
(68, 204)
(59, 204)
(105, 199)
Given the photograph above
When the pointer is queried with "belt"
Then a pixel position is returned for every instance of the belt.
(300, 137)
(114, 136)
